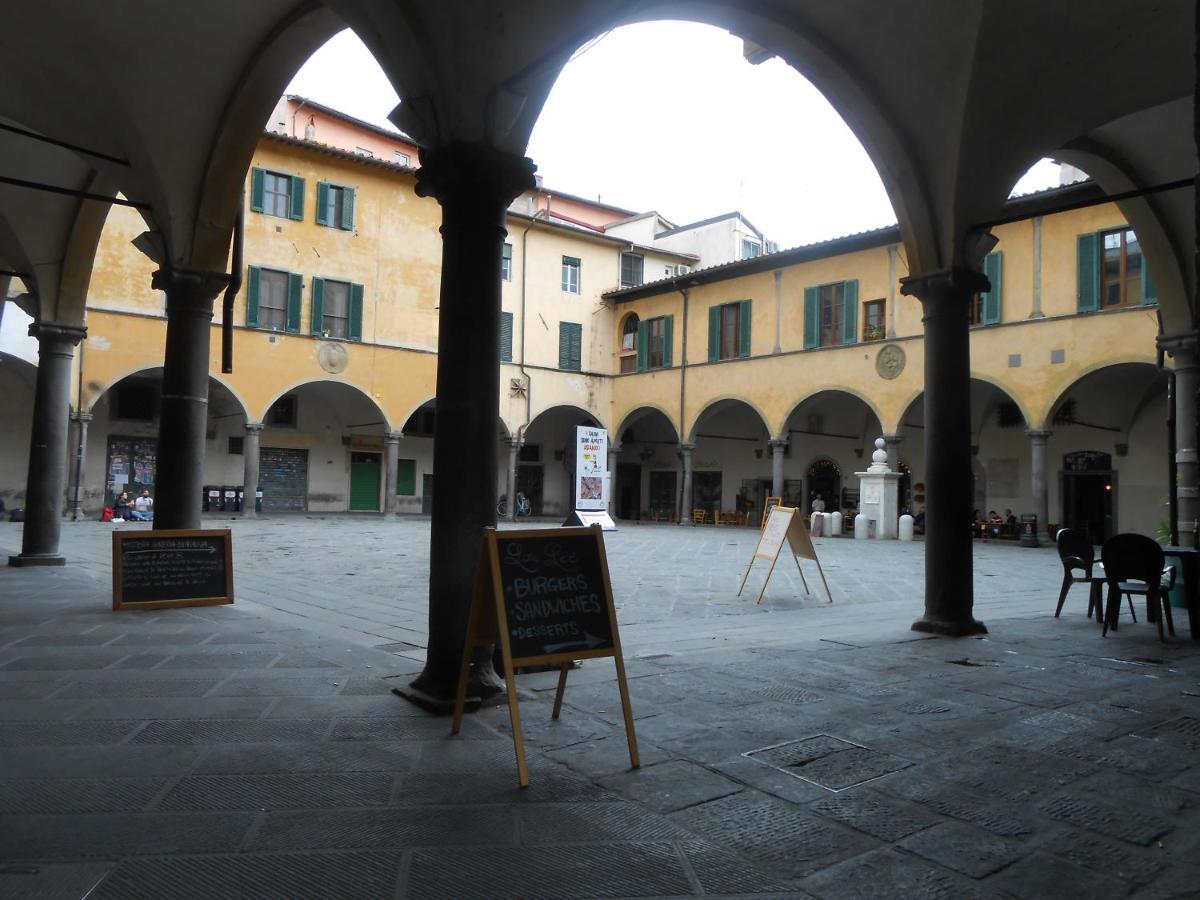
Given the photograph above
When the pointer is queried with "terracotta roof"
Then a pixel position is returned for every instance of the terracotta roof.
(330, 150)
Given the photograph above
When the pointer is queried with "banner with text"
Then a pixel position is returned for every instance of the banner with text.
(591, 468)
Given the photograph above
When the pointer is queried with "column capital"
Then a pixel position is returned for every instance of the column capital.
(686, 448)
(950, 284)
(54, 331)
(514, 443)
(83, 417)
(461, 171)
(614, 447)
(253, 427)
(777, 444)
(189, 285)
(393, 437)
(893, 438)
(1181, 347)
(1038, 434)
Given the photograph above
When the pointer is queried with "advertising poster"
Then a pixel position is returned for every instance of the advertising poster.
(591, 468)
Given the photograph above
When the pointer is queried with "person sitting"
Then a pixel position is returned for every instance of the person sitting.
(143, 507)
(122, 507)
(995, 524)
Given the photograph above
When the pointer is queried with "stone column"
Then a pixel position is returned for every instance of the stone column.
(949, 593)
(79, 455)
(614, 452)
(777, 448)
(250, 456)
(474, 184)
(46, 477)
(685, 490)
(510, 491)
(892, 442)
(1187, 472)
(391, 462)
(1037, 473)
(183, 416)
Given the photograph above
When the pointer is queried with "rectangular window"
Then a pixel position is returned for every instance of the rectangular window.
(364, 151)
(283, 412)
(1120, 269)
(402, 158)
(976, 314)
(632, 267)
(272, 299)
(729, 331)
(570, 274)
(506, 263)
(750, 249)
(831, 314)
(873, 326)
(335, 205)
(237, 446)
(570, 346)
(335, 318)
(832, 303)
(655, 343)
(276, 194)
(137, 401)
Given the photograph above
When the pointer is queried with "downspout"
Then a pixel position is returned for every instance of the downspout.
(235, 285)
(524, 290)
(683, 357)
(296, 113)
(1172, 468)
(78, 435)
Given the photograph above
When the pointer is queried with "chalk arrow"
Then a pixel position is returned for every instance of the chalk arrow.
(209, 550)
(589, 640)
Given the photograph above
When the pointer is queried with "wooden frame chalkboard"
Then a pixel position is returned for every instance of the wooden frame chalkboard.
(172, 567)
(784, 524)
(544, 597)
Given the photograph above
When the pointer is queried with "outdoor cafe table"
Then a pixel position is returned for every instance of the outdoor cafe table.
(1189, 560)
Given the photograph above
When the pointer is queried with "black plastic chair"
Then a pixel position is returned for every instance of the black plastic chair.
(1078, 555)
(1133, 564)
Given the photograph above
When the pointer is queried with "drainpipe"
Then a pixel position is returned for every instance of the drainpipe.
(296, 113)
(78, 435)
(686, 294)
(524, 373)
(235, 285)
(1172, 469)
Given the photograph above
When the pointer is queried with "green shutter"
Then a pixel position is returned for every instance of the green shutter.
(1088, 293)
(668, 341)
(295, 290)
(744, 328)
(406, 477)
(570, 342)
(356, 312)
(256, 190)
(318, 306)
(714, 333)
(252, 297)
(812, 312)
(993, 268)
(323, 203)
(347, 222)
(577, 347)
(1149, 290)
(643, 347)
(506, 337)
(296, 193)
(850, 312)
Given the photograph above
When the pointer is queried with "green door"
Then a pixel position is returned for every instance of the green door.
(364, 481)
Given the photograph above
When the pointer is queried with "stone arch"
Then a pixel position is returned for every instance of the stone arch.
(641, 412)
(711, 406)
(1047, 413)
(781, 432)
(101, 392)
(327, 383)
(18, 386)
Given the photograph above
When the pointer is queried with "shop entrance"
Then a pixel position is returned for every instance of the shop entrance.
(365, 472)
(628, 491)
(1089, 485)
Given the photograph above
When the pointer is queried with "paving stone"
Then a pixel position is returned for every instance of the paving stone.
(770, 780)
(1101, 855)
(874, 814)
(1059, 720)
(225, 731)
(304, 661)
(156, 639)
(1123, 824)
(547, 784)
(164, 708)
(68, 662)
(30, 796)
(59, 734)
(363, 687)
(111, 688)
(114, 835)
(283, 876)
(391, 828)
(605, 756)
(581, 823)
(51, 880)
(671, 785)
(789, 839)
(964, 848)
(846, 768)
(1136, 793)
(223, 660)
(276, 686)
(270, 792)
(62, 640)
(723, 872)
(405, 729)
(27, 690)
(381, 756)
(886, 873)
(1070, 881)
(615, 870)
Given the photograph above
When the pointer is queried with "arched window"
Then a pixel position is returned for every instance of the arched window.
(629, 331)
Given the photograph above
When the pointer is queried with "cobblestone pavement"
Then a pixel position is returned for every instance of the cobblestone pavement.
(795, 748)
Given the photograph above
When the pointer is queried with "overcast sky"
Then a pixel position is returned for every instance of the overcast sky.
(669, 116)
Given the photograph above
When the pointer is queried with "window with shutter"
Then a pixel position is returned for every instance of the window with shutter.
(317, 318)
(276, 194)
(257, 189)
(506, 263)
(267, 305)
(253, 276)
(1087, 272)
(570, 274)
(335, 311)
(506, 336)
(356, 312)
(295, 287)
(296, 187)
(570, 346)
(830, 314)
(849, 312)
(643, 346)
(812, 312)
(656, 343)
(990, 300)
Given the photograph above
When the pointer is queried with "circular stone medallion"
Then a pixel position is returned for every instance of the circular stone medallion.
(333, 358)
(890, 361)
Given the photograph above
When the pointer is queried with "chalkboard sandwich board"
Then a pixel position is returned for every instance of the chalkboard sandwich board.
(784, 524)
(160, 569)
(544, 597)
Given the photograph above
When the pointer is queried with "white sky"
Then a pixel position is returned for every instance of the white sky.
(669, 116)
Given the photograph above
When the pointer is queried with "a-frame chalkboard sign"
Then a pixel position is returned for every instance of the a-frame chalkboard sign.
(784, 525)
(544, 597)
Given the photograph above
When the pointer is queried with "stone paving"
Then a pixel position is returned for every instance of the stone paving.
(793, 749)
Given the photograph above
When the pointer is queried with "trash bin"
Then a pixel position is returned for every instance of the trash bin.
(212, 498)
(258, 501)
(1029, 530)
(237, 503)
(228, 498)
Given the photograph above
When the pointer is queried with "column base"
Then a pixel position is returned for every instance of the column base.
(949, 627)
(37, 559)
(437, 704)
(437, 697)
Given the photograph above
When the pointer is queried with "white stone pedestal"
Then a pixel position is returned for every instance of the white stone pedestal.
(879, 494)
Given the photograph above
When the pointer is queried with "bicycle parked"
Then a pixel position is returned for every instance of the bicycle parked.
(523, 507)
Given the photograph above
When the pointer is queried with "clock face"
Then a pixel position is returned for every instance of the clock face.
(890, 361)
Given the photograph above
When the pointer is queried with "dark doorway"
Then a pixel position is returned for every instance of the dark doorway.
(662, 495)
(629, 491)
(427, 495)
(1089, 486)
(824, 478)
(706, 492)
(529, 483)
(130, 466)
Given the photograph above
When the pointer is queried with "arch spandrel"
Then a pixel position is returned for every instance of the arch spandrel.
(1068, 383)
(631, 417)
(780, 433)
(711, 405)
(329, 384)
